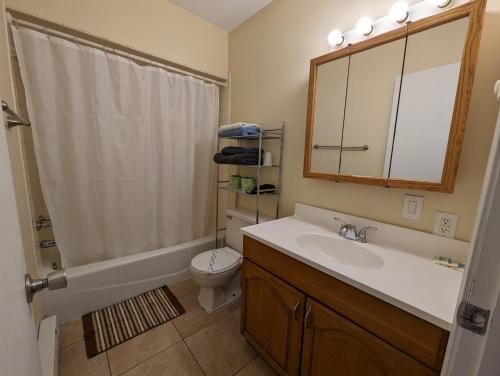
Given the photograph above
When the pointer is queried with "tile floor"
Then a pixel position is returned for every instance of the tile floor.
(193, 344)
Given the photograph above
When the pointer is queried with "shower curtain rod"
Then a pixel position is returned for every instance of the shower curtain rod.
(82, 38)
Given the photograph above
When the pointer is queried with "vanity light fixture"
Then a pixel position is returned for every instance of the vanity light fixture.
(399, 11)
(364, 26)
(398, 14)
(440, 3)
(336, 38)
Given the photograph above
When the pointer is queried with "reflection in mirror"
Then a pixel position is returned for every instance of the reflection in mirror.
(329, 116)
(426, 103)
(372, 76)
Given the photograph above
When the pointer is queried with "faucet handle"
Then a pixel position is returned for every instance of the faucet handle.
(347, 230)
(362, 233)
(340, 220)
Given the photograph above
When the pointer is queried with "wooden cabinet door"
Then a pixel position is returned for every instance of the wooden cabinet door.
(272, 318)
(334, 346)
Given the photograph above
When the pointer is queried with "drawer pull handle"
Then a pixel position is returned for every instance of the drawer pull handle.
(307, 319)
(296, 310)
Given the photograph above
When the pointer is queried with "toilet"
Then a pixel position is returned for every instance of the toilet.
(218, 272)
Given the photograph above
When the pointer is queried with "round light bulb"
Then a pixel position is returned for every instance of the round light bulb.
(336, 38)
(440, 3)
(399, 12)
(364, 25)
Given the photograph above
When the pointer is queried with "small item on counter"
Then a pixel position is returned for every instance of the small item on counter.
(247, 183)
(449, 262)
(235, 182)
(264, 188)
(268, 159)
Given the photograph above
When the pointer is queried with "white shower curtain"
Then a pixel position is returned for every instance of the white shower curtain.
(124, 152)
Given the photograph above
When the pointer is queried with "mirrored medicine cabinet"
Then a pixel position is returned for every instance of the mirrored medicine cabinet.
(391, 110)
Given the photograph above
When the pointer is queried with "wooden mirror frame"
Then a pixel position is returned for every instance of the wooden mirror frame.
(475, 11)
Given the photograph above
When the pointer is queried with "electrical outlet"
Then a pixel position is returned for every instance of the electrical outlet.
(445, 224)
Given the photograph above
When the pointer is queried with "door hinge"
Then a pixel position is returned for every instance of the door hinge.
(47, 244)
(43, 222)
(473, 318)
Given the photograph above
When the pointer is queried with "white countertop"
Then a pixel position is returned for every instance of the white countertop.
(408, 281)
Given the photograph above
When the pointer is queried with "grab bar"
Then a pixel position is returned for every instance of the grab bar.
(13, 119)
(343, 148)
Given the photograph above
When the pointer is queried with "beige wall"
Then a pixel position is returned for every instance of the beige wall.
(372, 74)
(425, 49)
(158, 27)
(371, 88)
(269, 63)
(46, 257)
(331, 84)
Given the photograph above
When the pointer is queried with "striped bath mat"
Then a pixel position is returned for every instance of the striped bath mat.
(120, 322)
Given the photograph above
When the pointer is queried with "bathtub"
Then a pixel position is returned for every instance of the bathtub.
(97, 285)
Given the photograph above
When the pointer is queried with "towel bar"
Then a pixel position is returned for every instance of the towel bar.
(343, 148)
(13, 119)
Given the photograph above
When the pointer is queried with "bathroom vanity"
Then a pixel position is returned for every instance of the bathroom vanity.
(314, 303)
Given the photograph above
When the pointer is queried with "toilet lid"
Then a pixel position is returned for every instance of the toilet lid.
(225, 259)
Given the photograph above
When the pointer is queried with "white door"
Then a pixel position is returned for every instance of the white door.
(18, 346)
(472, 354)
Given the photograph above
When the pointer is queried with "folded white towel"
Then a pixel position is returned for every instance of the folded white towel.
(237, 125)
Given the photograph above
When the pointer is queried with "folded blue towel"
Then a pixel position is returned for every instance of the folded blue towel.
(238, 125)
(240, 132)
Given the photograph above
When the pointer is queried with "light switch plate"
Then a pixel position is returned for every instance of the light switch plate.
(412, 207)
(445, 224)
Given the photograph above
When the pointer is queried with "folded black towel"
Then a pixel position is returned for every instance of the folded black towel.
(232, 150)
(264, 188)
(237, 159)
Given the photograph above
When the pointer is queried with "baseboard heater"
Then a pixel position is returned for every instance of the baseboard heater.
(48, 345)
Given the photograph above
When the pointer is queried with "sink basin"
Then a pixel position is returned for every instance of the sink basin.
(342, 251)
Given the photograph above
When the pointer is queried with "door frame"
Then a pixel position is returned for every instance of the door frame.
(468, 353)
(20, 353)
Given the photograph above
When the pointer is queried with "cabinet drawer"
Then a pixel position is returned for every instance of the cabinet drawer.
(334, 346)
(416, 337)
(272, 318)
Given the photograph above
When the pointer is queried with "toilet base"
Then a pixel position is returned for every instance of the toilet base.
(212, 299)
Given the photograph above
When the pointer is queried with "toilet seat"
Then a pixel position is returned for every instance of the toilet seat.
(225, 259)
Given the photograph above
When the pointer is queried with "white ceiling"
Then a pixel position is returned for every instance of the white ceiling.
(227, 14)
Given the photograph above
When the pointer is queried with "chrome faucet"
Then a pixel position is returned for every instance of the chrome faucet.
(349, 231)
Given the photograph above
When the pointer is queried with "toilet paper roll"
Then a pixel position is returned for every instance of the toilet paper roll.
(268, 158)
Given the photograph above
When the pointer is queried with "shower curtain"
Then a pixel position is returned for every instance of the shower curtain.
(124, 151)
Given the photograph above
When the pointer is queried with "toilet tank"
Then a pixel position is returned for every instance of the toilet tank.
(235, 220)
